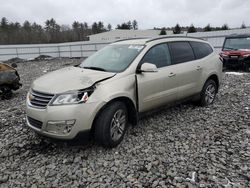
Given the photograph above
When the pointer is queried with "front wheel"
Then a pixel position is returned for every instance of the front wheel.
(111, 125)
(208, 93)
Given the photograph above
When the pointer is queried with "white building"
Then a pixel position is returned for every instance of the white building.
(120, 34)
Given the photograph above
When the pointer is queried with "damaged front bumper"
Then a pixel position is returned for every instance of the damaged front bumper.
(63, 122)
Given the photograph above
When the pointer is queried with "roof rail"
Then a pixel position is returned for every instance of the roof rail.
(158, 38)
(131, 39)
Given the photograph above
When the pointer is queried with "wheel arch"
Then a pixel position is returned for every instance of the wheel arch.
(132, 111)
(215, 78)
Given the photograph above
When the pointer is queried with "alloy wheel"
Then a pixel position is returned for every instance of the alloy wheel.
(210, 93)
(118, 124)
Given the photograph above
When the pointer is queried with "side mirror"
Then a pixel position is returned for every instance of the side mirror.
(148, 67)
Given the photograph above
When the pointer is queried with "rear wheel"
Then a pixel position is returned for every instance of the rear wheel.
(208, 93)
(111, 125)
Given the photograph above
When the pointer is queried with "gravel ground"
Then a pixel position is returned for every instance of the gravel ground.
(182, 146)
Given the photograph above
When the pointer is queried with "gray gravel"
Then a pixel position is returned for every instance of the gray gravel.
(181, 146)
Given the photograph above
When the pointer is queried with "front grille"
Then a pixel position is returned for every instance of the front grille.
(39, 99)
(35, 123)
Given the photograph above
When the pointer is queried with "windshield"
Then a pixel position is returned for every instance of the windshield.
(237, 43)
(112, 58)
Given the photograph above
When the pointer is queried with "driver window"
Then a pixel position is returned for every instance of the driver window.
(158, 55)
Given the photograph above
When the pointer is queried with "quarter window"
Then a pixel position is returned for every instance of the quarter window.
(181, 52)
(201, 49)
(158, 55)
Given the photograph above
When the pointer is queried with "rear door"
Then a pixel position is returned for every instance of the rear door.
(188, 69)
(157, 88)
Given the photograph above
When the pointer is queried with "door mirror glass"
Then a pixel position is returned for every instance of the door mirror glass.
(148, 67)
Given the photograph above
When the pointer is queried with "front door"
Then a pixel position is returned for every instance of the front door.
(157, 88)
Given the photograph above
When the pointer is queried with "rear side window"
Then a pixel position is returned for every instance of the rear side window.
(158, 55)
(201, 49)
(181, 52)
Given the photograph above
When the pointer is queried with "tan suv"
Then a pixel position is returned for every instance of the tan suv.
(112, 87)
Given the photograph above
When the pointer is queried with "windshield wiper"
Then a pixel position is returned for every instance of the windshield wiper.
(95, 68)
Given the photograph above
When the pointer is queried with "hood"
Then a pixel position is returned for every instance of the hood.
(239, 52)
(69, 78)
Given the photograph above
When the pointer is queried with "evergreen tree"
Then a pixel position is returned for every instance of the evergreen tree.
(135, 24)
(224, 27)
(100, 27)
(129, 25)
(243, 26)
(4, 24)
(177, 29)
(109, 27)
(52, 29)
(76, 31)
(192, 29)
(163, 31)
(94, 28)
(207, 28)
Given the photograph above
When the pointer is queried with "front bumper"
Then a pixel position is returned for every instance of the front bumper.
(236, 62)
(81, 114)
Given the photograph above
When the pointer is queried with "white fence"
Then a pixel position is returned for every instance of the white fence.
(84, 49)
(72, 49)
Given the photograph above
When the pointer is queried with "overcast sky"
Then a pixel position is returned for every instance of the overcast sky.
(148, 13)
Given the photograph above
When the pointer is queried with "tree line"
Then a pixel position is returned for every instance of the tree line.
(192, 29)
(52, 32)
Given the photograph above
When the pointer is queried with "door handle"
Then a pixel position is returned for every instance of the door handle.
(198, 68)
(171, 74)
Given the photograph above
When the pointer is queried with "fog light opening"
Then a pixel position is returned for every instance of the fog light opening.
(60, 127)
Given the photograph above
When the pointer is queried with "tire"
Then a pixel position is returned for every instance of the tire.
(208, 93)
(111, 125)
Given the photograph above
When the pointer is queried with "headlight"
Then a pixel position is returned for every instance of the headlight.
(74, 97)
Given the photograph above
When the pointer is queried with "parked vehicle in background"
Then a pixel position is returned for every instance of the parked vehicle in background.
(112, 87)
(236, 52)
(9, 80)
